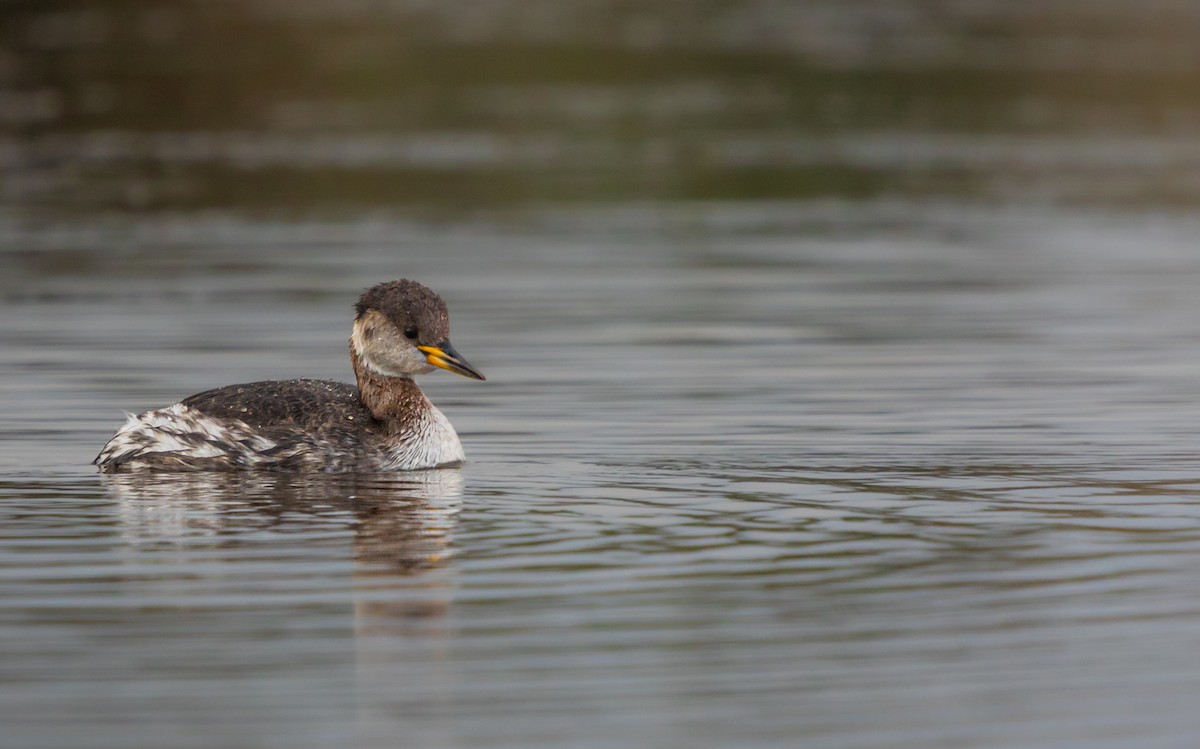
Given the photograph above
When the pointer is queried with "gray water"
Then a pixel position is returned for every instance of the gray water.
(843, 386)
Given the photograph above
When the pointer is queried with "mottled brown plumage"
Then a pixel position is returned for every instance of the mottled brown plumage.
(303, 404)
(385, 423)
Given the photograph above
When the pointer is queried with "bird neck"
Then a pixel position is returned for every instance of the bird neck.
(393, 400)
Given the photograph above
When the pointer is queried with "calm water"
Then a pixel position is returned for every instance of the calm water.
(844, 387)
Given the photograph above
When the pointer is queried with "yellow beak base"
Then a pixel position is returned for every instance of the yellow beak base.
(445, 357)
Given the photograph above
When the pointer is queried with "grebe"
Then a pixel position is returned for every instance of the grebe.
(401, 329)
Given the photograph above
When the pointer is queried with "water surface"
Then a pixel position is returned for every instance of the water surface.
(727, 489)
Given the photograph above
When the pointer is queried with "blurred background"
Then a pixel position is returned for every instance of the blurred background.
(328, 109)
(843, 371)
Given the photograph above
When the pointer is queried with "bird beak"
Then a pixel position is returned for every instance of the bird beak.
(446, 357)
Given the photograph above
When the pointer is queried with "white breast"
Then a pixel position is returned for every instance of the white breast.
(432, 442)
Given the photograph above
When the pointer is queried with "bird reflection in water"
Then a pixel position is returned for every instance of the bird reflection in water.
(398, 527)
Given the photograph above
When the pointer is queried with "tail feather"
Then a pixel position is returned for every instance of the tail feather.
(179, 436)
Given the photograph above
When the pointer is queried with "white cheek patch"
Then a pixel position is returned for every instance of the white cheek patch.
(364, 349)
(375, 367)
(383, 353)
(358, 339)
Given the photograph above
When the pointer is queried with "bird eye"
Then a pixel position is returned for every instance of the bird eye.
(410, 333)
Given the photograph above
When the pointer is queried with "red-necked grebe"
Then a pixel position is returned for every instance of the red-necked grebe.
(401, 330)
